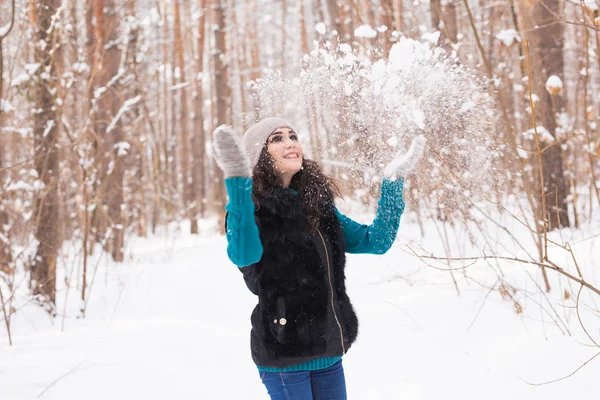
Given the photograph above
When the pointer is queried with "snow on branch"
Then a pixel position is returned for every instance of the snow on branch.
(126, 107)
(508, 37)
(365, 31)
(543, 133)
(554, 85)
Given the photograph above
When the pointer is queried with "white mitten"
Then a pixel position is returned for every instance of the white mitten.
(404, 162)
(229, 153)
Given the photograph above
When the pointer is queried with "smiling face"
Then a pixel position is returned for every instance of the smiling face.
(286, 152)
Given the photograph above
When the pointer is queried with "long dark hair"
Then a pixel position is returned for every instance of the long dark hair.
(316, 190)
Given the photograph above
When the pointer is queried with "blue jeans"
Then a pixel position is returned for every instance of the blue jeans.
(323, 384)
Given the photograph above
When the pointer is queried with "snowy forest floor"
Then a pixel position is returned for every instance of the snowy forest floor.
(173, 321)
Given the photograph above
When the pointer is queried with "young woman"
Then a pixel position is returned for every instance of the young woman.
(289, 241)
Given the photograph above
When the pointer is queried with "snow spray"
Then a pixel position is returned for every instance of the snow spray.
(364, 111)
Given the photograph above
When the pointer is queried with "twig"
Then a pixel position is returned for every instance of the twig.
(537, 142)
(482, 304)
(579, 317)
(6, 320)
(553, 267)
(61, 377)
(540, 166)
(564, 377)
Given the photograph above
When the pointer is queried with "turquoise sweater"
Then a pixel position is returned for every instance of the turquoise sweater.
(245, 248)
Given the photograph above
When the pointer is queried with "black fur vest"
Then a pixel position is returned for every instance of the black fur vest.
(303, 311)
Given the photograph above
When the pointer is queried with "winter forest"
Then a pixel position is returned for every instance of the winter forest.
(113, 261)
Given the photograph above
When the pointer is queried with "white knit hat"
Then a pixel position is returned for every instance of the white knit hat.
(256, 137)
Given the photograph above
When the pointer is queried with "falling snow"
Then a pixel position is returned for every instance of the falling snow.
(374, 108)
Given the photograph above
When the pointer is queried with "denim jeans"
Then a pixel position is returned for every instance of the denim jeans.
(324, 384)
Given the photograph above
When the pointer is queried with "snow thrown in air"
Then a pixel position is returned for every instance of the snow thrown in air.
(356, 113)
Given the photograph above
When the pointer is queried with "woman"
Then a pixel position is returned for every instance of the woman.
(289, 241)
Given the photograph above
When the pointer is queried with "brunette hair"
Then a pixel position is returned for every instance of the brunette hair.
(316, 190)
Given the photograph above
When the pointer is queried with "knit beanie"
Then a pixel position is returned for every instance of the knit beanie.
(256, 137)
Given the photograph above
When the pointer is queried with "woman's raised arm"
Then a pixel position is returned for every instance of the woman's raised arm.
(378, 237)
(243, 241)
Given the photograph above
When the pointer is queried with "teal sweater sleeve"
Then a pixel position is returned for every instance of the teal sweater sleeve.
(243, 240)
(378, 237)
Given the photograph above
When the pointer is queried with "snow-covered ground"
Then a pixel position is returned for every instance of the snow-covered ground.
(173, 322)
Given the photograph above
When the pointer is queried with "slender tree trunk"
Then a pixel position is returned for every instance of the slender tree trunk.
(435, 9)
(254, 61)
(91, 22)
(284, 29)
(310, 109)
(5, 250)
(319, 10)
(346, 22)
(222, 93)
(398, 15)
(199, 139)
(139, 184)
(334, 17)
(387, 17)
(450, 21)
(173, 141)
(185, 142)
(166, 115)
(115, 137)
(45, 132)
(369, 12)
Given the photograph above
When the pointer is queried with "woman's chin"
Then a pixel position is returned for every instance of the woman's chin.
(290, 168)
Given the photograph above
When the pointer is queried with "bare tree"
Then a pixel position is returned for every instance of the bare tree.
(45, 119)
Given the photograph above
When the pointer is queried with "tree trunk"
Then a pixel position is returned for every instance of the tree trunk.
(115, 137)
(173, 155)
(137, 187)
(45, 132)
(5, 250)
(398, 15)
(450, 22)
(222, 94)
(435, 8)
(165, 172)
(199, 139)
(254, 62)
(185, 142)
(545, 32)
(311, 110)
(334, 17)
(387, 17)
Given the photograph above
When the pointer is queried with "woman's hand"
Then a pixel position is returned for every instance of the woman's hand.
(405, 162)
(229, 153)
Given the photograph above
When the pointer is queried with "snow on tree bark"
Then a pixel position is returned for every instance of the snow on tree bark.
(45, 130)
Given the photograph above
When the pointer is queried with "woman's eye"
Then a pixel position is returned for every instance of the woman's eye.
(276, 139)
(294, 137)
